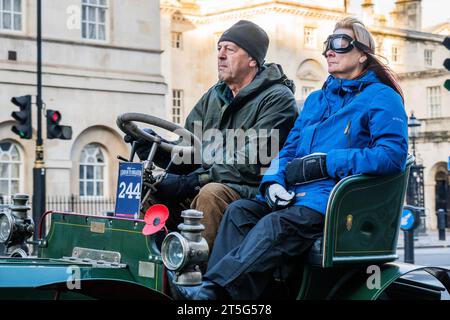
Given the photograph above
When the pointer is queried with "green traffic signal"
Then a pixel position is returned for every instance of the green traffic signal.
(447, 84)
(23, 127)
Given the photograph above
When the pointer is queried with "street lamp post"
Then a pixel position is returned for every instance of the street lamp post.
(415, 194)
(413, 125)
(39, 164)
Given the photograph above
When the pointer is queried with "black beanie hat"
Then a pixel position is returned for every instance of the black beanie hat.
(250, 37)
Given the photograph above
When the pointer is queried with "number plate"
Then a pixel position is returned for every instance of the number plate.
(129, 187)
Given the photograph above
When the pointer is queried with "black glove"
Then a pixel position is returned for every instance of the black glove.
(174, 187)
(143, 146)
(306, 169)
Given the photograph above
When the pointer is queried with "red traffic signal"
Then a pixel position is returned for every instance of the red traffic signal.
(54, 129)
(24, 126)
(55, 116)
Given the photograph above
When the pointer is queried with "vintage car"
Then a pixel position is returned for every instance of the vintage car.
(83, 256)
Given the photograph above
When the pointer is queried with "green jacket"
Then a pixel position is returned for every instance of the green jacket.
(266, 103)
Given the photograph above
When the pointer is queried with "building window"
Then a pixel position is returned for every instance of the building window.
(92, 167)
(177, 106)
(93, 19)
(11, 15)
(428, 55)
(177, 40)
(394, 54)
(306, 91)
(310, 37)
(9, 169)
(434, 101)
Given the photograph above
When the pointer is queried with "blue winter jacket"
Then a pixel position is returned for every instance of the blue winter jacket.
(360, 124)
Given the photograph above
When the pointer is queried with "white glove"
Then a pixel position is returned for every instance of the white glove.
(277, 197)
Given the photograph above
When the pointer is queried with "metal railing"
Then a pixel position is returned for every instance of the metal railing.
(74, 203)
(86, 205)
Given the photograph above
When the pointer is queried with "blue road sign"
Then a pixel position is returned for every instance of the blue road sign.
(448, 164)
(407, 222)
(129, 187)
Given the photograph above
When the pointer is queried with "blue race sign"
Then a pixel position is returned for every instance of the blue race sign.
(407, 222)
(129, 186)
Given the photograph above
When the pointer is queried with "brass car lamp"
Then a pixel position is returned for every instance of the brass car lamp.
(184, 252)
(15, 226)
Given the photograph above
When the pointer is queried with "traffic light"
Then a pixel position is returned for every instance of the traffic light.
(447, 62)
(24, 128)
(54, 129)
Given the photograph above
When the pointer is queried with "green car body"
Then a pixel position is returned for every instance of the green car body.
(93, 257)
(84, 252)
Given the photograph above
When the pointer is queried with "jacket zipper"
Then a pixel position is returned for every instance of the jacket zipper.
(347, 133)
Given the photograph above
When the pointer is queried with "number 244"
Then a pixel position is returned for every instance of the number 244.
(129, 191)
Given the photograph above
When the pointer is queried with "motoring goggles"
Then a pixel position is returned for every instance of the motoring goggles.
(343, 43)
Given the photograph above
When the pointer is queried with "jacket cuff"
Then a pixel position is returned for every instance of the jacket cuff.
(337, 163)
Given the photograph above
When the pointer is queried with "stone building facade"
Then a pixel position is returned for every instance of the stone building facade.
(101, 58)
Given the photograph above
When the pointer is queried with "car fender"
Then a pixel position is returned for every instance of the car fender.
(36, 276)
(361, 287)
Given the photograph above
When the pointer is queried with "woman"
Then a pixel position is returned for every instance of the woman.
(355, 124)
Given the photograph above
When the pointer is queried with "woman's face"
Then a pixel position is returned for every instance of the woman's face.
(347, 65)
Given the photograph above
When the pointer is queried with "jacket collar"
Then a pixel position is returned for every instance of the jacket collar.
(339, 85)
(336, 92)
(268, 75)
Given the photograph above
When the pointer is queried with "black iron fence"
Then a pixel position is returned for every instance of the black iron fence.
(75, 203)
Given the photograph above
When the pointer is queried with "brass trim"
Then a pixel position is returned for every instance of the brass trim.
(97, 227)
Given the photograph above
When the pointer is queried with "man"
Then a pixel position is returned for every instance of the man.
(251, 96)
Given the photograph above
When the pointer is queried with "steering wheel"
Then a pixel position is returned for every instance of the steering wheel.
(126, 123)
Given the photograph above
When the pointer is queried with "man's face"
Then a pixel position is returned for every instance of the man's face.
(234, 63)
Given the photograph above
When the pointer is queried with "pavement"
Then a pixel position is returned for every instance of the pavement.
(429, 239)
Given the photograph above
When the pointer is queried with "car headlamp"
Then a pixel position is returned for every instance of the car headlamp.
(175, 251)
(6, 227)
(15, 225)
(184, 252)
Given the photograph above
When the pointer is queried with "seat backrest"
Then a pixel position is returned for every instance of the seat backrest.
(363, 219)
